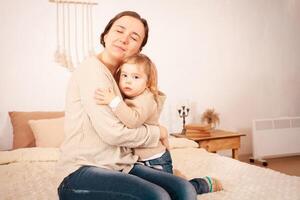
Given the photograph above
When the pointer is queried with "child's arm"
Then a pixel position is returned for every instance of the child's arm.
(133, 113)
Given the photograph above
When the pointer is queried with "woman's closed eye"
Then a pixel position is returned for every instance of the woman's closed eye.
(134, 38)
(119, 30)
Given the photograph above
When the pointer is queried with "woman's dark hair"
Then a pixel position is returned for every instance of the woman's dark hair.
(118, 16)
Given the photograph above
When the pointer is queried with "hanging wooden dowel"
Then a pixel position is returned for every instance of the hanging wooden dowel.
(83, 33)
(69, 53)
(75, 35)
(91, 49)
(63, 60)
(75, 2)
(58, 53)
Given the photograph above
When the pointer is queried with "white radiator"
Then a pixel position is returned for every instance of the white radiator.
(276, 137)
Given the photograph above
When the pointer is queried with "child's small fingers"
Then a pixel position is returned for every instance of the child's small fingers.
(97, 92)
(97, 97)
(98, 102)
(99, 89)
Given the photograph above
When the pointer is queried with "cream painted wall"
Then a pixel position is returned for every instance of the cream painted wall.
(240, 57)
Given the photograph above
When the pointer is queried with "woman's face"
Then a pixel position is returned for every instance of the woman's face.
(124, 38)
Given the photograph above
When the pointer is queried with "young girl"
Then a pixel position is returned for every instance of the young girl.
(137, 79)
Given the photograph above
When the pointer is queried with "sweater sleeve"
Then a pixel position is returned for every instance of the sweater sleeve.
(105, 123)
(134, 113)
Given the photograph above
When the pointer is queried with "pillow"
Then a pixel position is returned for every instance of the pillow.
(48, 132)
(22, 133)
(176, 143)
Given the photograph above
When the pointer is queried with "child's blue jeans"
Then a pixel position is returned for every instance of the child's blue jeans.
(163, 163)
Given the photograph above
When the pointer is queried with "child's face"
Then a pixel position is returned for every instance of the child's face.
(133, 80)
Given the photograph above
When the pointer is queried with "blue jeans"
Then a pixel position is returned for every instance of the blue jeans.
(163, 163)
(142, 183)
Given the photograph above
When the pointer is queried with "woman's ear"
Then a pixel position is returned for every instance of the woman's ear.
(104, 39)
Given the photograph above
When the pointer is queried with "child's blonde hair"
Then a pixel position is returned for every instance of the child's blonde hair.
(149, 68)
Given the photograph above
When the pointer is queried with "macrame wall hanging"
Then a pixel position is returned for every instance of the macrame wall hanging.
(74, 31)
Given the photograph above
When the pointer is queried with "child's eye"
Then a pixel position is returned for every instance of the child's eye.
(123, 75)
(136, 77)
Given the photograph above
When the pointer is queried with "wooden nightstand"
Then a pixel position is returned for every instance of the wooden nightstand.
(219, 140)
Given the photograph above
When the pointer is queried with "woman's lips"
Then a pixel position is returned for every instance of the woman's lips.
(120, 48)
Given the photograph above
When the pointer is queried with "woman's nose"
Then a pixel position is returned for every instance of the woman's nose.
(124, 39)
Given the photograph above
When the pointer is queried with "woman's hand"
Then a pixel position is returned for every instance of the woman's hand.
(104, 96)
(164, 137)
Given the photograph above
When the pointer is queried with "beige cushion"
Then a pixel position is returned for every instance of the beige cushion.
(22, 133)
(48, 132)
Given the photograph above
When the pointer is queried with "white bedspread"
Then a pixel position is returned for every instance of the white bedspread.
(241, 181)
(29, 174)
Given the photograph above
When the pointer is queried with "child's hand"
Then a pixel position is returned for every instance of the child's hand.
(104, 96)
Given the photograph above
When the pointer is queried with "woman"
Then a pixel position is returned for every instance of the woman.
(96, 158)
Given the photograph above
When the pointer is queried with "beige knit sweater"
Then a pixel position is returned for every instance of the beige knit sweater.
(93, 134)
(142, 109)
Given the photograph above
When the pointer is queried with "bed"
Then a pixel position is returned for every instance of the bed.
(28, 172)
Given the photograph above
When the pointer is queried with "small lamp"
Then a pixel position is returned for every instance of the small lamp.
(183, 113)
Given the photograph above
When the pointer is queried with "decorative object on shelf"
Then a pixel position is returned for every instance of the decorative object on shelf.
(197, 130)
(211, 118)
(72, 26)
(183, 113)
